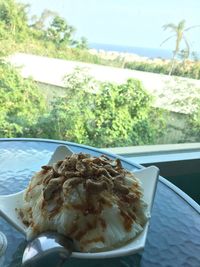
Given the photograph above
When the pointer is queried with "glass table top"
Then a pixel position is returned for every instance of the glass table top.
(174, 233)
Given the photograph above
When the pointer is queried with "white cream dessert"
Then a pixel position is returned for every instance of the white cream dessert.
(92, 200)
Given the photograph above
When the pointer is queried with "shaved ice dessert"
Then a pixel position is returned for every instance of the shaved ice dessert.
(92, 200)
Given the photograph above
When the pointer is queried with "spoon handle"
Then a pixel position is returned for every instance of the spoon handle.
(50, 259)
(48, 249)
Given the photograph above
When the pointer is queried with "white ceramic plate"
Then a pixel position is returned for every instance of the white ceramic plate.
(147, 176)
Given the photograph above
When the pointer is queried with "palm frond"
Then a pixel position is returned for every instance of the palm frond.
(167, 39)
(192, 27)
(171, 26)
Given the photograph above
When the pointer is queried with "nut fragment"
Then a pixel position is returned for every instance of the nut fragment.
(119, 187)
(95, 187)
(97, 174)
(70, 183)
(52, 186)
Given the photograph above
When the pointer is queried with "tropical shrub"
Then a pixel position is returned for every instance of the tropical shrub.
(21, 103)
(102, 114)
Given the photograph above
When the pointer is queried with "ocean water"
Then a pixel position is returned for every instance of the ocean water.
(141, 51)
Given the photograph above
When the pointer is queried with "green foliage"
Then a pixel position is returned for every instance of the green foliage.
(82, 44)
(122, 115)
(102, 114)
(186, 69)
(193, 130)
(14, 19)
(21, 103)
(50, 35)
(47, 35)
(60, 32)
(97, 114)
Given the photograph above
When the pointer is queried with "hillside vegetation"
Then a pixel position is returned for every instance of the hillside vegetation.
(51, 35)
(90, 112)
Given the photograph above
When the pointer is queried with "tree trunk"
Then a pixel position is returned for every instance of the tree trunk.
(172, 65)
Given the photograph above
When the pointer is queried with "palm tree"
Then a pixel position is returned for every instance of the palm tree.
(179, 34)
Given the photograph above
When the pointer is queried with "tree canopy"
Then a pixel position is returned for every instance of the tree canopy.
(49, 26)
(60, 32)
(14, 19)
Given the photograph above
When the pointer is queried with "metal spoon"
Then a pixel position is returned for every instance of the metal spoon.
(48, 249)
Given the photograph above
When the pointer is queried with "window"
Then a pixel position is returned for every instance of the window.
(102, 73)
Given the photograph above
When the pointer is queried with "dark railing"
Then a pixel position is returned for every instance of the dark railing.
(179, 163)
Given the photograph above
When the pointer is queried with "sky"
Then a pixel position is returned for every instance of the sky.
(135, 23)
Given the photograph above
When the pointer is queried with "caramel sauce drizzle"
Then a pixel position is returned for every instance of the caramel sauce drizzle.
(97, 175)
